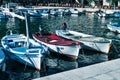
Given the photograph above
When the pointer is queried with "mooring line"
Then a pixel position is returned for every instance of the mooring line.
(115, 48)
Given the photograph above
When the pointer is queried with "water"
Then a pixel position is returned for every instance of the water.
(54, 64)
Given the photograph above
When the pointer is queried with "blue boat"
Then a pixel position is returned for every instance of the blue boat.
(3, 16)
(114, 26)
(23, 49)
(116, 14)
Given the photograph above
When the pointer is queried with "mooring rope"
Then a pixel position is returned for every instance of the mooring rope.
(115, 48)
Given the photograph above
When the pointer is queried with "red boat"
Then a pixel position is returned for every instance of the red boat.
(59, 45)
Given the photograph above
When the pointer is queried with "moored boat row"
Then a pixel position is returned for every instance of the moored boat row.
(54, 12)
(29, 51)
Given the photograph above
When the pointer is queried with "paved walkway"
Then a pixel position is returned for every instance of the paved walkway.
(109, 70)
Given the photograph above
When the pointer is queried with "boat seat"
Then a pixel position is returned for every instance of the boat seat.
(16, 44)
(53, 41)
(11, 44)
(19, 44)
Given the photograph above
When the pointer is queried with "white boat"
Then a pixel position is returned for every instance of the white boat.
(75, 11)
(63, 12)
(108, 13)
(100, 13)
(23, 49)
(59, 45)
(114, 26)
(66, 12)
(89, 41)
(53, 12)
(44, 12)
(8, 13)
(60, 11)
(34, 13)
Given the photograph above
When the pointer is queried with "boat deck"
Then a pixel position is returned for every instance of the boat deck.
(109, 70)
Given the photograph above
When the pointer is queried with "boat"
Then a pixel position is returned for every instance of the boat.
(63, 12)
(2, 59)
(104, 13)
(100, 13)
(44, 12)
(59, 45)
(54, 12)
(3, 15)
(90, 42)
(23, 49)
(116, 14)
(60, 11)
(66, 12)
(109, 13)
(114, 26)
(34, 13)
(6, 13)
(75, 11)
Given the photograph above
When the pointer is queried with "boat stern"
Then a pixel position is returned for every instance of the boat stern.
(34, 57)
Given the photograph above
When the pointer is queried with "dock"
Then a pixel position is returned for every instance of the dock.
(109, 70)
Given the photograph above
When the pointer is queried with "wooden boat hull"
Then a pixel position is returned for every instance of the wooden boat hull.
(26, 60)
(89, 42)
(28, 56)
(101, 47)
(71, 51)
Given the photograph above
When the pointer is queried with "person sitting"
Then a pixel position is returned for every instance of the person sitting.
(64, 26)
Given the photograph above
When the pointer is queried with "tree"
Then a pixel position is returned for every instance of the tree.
(113, 1)
(1, 2)
(90, 1)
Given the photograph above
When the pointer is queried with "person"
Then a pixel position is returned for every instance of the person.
(64, 26)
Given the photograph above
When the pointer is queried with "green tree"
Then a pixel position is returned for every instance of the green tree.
(89, 1)
(113, 1)
(1, 2)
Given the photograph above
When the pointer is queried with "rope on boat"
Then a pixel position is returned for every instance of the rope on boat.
(114, 45)
(115, 48)
(4, 67)
(83, 53)
(25, 66)
(58, 65)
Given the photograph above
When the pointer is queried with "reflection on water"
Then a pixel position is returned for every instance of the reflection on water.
(84, 23)
(91, 57)
(55, 65)
(16, 71)
(61, 64)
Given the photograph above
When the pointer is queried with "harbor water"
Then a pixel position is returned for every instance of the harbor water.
(86, 23)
